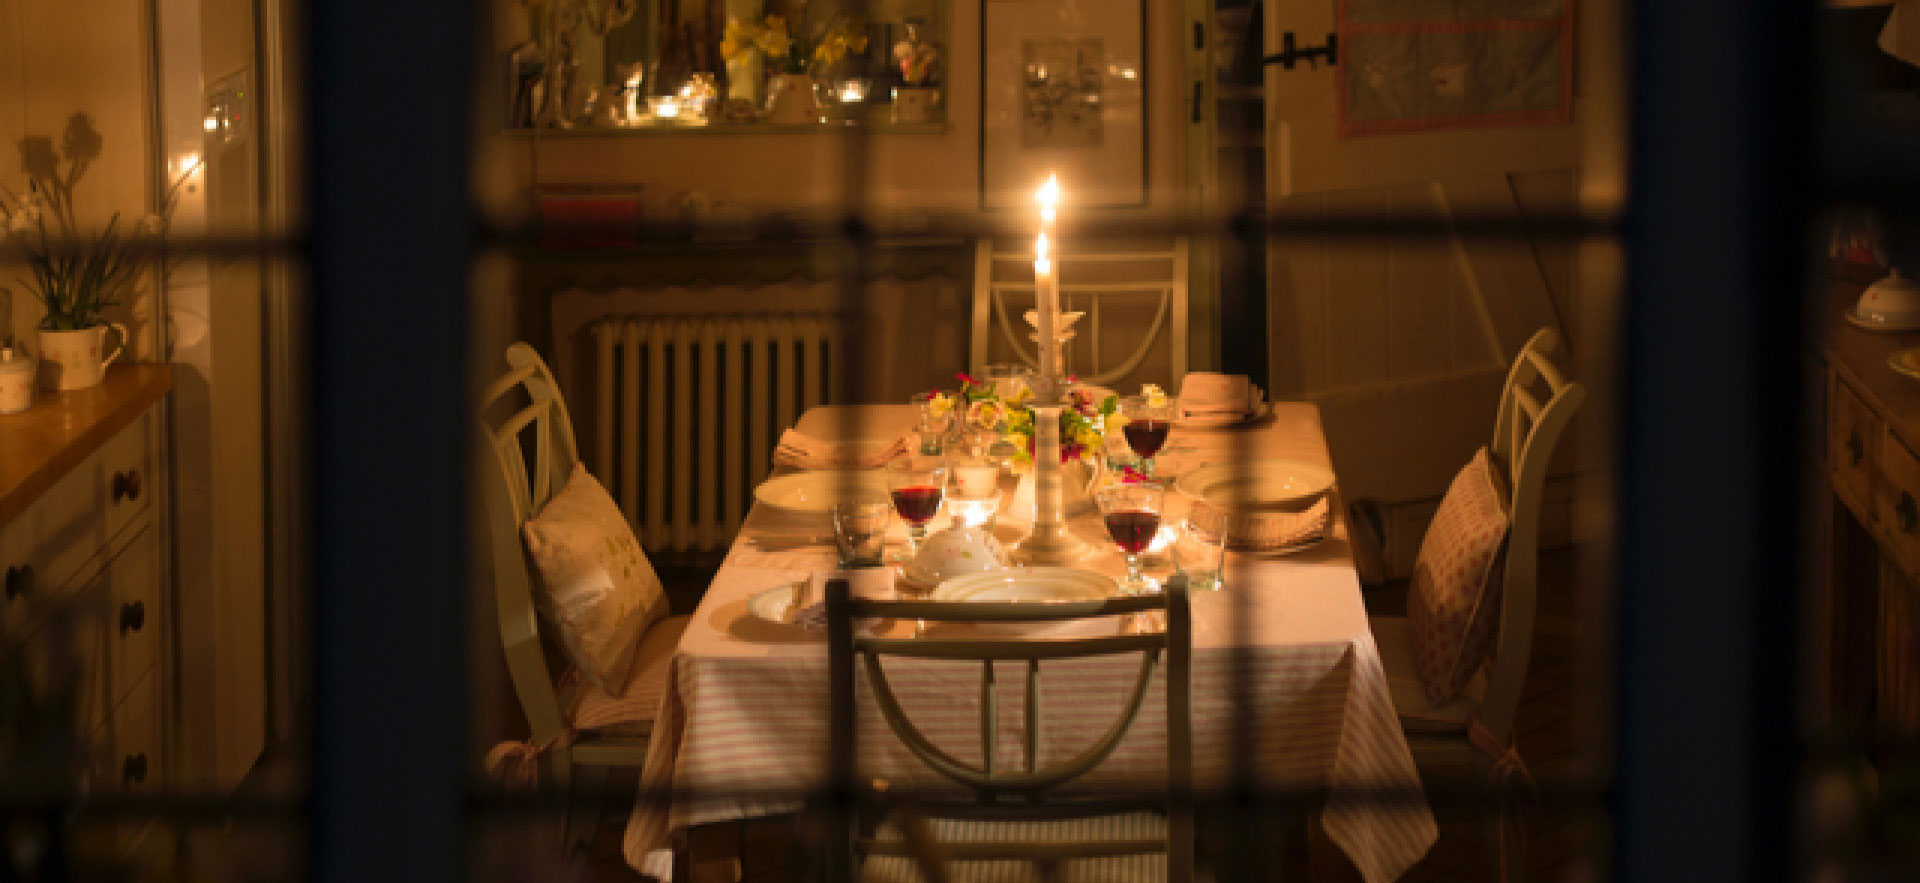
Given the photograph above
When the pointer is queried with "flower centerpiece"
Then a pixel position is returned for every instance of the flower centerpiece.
(919, 61)
(1084, 423)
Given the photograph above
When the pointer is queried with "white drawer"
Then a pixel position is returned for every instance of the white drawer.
(138, 769)
(133, 612)
(127, 473)
(66, 656)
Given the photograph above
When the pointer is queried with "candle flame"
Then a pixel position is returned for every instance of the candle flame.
(1049, 195)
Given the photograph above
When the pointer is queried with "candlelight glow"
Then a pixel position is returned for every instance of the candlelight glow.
(1049, 196)
(1040, 249)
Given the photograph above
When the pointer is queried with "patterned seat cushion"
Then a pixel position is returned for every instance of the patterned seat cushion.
(632, 711)
(1122, 826)
(1452, 608)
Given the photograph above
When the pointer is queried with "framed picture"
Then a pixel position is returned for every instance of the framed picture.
(1063, 92)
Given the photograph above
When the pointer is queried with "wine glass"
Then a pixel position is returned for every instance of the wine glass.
(1132, 513)
(1146, 428)
(917, 485)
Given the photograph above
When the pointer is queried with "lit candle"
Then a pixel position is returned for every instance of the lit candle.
(1044, 306)
(1046, 288)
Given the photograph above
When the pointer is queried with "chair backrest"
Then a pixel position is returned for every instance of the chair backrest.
(1030, 786)
(1116, 289)
(533, 454)
(1526, 430)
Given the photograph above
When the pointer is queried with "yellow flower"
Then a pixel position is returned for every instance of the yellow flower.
(1021, 397)
(985, 414)
(940, 405)
(1116, 422)
(1088, 437)
(1155, 396)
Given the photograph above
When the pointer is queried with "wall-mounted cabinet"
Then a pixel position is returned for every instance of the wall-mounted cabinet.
(653, 66)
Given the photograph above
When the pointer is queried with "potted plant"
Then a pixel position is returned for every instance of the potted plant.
(75, 276)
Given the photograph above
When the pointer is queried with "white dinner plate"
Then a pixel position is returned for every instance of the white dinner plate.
(1858, 321)
(1905, 361)
(776, 604)
(1030, 585)
(815, 492)
(1258, 411)
(1254, 485)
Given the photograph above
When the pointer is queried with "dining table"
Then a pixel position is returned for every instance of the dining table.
(1288, 691)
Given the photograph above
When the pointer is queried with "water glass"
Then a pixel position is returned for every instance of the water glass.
(1201, 555)
(860, 529)
(933, 422)
(1007, 380)
(973, 489)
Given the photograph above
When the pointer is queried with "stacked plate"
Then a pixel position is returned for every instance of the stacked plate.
(812, 494)
(1261, 505)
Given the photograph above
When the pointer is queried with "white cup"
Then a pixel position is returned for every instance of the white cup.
(73, 360)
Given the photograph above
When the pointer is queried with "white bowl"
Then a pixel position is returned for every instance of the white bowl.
(955, 552)
(1892, 301)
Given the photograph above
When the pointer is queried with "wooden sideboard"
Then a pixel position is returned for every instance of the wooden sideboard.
(83, 546)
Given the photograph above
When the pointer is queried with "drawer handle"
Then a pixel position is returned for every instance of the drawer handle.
(1856, 447)
(19, 581)
(133, 770)
(126, 485)
(133, 615)
(1907, 512)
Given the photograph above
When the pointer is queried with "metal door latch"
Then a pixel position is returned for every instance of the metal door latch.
(1290, 54)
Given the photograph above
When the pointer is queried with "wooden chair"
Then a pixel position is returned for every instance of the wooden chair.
(571, 725)
(1473, 731)
(1016, 821)
(1096, 282)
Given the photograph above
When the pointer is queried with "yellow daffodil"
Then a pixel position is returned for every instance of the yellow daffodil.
(1021, 397)
(1155, 396)
(1115, 422)
(985, 414)
(940, 405)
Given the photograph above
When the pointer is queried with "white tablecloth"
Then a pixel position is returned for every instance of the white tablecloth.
(747, 703)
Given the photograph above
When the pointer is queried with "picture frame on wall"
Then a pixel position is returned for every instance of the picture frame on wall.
(1063, 91)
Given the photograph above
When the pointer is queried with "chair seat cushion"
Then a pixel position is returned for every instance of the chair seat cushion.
(1121, 826)
(1394, 636)
(632, 711)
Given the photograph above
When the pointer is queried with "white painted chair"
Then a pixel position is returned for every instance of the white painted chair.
(571, 725)
(1014, 825)
(1107, 349)
(1473, 732)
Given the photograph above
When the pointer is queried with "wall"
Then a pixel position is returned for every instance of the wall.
(59, 59)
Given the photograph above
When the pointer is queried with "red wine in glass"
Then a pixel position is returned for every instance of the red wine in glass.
(1133, 529)
(916, 503)
(1146, 437)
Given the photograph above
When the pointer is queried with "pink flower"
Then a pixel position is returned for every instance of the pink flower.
(1130, 475)
(965, 378)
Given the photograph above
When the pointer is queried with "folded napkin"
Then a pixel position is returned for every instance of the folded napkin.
(1265, 529)
(809, 608)
(1209, 394)
(802, 451)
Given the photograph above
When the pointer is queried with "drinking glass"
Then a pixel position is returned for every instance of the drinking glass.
(1132, 513)
(932, 425)
(1146, 428)
(1007, 380)
(1201, 555)
(917, 485)
(860, 529)
(973, 488)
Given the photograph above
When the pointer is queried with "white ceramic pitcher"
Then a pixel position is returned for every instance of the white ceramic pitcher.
(73, 360)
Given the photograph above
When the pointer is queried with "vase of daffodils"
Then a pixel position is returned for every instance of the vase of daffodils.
(792, 61)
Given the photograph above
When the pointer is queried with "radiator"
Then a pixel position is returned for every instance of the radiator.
(688, 409)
